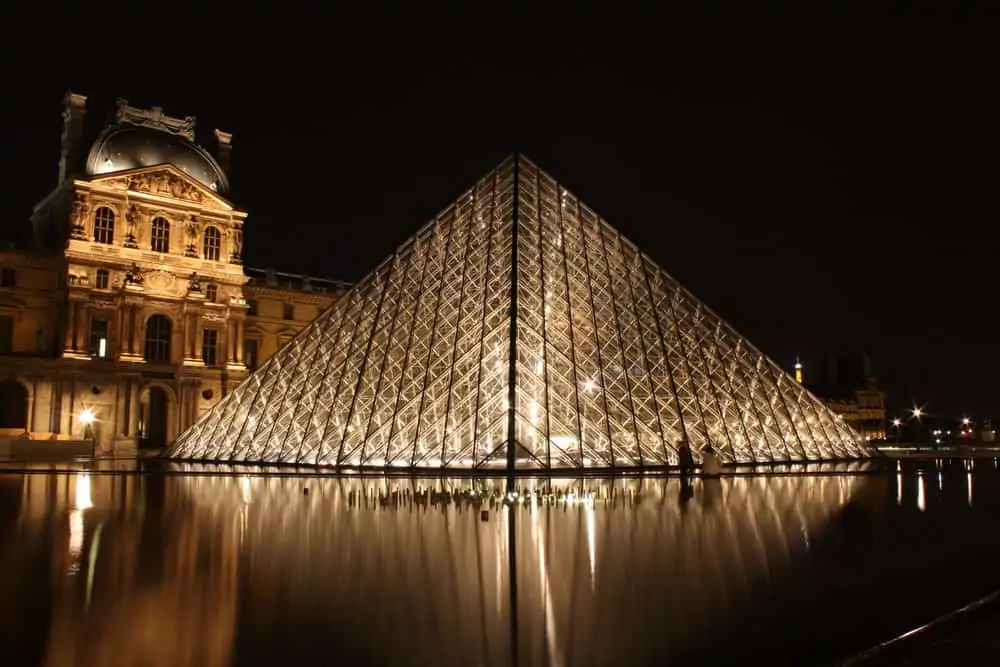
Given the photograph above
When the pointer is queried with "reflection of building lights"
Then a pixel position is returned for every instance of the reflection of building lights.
(83, 497)
(921, 499)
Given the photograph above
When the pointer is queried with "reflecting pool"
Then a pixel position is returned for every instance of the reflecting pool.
(202, 566)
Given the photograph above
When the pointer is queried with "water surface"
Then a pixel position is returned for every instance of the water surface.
(214, 566)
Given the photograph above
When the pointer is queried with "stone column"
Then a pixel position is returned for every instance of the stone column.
(133, 411)
(82, 318)
(186, 325)
(239, 341)
(140, 330)
(70, 325)
(198, 336)
(128, 334)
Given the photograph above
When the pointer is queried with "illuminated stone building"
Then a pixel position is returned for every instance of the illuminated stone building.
(129, 305)
(849, 388)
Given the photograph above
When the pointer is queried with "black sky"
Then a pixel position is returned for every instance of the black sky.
(823, 177)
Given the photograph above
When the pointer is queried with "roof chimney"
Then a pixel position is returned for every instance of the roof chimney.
(223, 149)
(71, 160)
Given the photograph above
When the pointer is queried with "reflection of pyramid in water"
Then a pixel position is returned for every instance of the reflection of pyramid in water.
(517, 317)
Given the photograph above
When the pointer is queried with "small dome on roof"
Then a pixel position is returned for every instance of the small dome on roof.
(127, 146)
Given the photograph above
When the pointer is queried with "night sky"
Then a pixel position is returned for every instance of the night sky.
(825, 180)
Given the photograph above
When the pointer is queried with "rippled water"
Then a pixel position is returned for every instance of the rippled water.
(191, 567)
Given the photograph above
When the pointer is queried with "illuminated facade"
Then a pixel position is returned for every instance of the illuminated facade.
(850, 389)
(517, 330)
(131, 306)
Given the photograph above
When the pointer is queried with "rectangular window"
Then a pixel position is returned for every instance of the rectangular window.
(102, 278)
(99, 337)
(289, 312)
(211, 293)
(250, 353)
(8, 277)
(209, 344)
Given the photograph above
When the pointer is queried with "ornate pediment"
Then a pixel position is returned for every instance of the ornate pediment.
(163, 181)
(161, 282)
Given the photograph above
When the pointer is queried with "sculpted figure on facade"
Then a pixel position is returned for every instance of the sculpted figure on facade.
(156, 119)
(134, 275)
(191, 231)
(79, 217)
(131, 217)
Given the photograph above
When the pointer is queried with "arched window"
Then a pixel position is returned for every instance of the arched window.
(157, 339)
(213, 244)
(159, 239)
(104, 225)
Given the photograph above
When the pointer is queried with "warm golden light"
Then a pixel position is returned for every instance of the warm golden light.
(87, 416)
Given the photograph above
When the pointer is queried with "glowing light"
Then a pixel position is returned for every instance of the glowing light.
(87, 416)
(921, 498)
(918, 413)
(83, 498)
(897, 422)
(966, 421)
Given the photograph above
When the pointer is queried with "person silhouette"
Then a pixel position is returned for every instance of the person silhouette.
(686, 459)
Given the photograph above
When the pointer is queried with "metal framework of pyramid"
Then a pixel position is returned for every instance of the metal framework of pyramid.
(517, 330)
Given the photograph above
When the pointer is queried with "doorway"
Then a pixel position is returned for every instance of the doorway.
(156, 422)
(13, 405)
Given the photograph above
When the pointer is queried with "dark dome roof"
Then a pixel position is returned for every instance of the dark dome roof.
(130, 147)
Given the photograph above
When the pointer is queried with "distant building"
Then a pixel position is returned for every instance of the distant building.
(128, 312)
(279, 305)
(849, 388)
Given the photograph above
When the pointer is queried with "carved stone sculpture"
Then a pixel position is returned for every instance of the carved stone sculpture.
(134, 275)
(79, 215)
(236, 257)
(131, 216)
(156, 119)
(191, 230)
(194, 283)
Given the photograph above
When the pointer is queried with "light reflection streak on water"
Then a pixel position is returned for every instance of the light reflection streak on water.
(968, 476)
(83, 502)
(921, 500)
(592, 542)
(551, 631)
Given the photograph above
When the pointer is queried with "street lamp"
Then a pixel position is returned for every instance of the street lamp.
(898, 423)
(87, 418)
(918, 413)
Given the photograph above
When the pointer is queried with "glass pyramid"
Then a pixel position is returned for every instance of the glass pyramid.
(517, 330)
